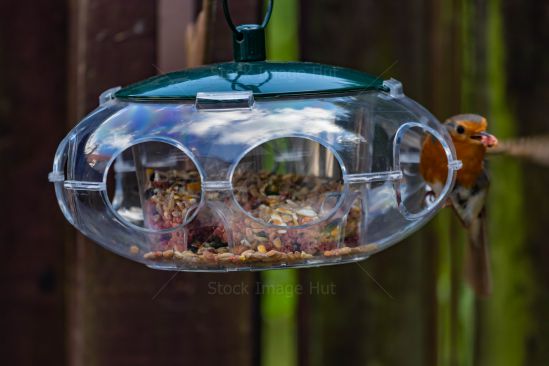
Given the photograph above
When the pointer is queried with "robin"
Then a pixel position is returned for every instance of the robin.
(468, 197)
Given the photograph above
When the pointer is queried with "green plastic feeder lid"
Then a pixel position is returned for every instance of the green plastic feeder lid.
(250, 72)
(264, 79)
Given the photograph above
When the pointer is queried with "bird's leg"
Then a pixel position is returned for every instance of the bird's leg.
(430, 197)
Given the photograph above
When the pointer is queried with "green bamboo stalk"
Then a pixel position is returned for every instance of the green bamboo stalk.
(283, 32)
(279, 307)
(442, 224)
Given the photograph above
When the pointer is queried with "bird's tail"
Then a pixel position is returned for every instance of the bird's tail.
(534, 148)
(477, 264)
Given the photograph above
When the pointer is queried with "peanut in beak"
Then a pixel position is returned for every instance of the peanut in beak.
(486, 139)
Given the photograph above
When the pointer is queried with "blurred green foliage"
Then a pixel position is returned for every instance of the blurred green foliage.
(507, 320)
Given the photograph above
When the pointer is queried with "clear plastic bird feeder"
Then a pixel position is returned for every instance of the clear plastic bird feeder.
(250, 165)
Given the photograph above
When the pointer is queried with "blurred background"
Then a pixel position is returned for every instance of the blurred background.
(66, 301)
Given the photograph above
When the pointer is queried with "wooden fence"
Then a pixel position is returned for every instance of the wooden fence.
(67, 301)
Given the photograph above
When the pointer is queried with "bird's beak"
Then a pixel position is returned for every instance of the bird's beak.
(486, 139)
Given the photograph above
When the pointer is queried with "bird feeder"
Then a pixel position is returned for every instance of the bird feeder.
(250, 165)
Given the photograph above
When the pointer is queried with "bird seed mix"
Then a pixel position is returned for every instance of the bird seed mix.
(264, 220)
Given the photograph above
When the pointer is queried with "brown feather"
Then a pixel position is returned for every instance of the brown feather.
(433, 164)
(472, 156)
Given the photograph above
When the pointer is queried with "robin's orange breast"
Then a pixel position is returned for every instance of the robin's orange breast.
(472, 156)
(434, 165)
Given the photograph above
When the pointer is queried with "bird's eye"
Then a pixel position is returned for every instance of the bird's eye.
(460, 129)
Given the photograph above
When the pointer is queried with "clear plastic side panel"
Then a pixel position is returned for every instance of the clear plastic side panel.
(102, 225)
(403, 203)
(69, 174)
(58, 176)
(399, 196)
(154, 190)
(108, 187)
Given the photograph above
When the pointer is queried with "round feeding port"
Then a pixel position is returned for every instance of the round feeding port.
(290, 181)
(154, 185)
(423, 161)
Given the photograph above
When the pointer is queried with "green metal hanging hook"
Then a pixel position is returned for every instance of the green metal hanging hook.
(248, 39)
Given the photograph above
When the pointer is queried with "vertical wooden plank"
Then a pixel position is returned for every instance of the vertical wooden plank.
(358, 325)
(514, 319)
(526, 37)
(446, 42)
(416, 42)
(32, 108)
(475, 59)
(121, 312)
(173, 18)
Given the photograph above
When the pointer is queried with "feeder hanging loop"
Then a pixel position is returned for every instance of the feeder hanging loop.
(248, 39)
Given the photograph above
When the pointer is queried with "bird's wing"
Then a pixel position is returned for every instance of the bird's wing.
(534, 148)
(469, 205)
(468, 202)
